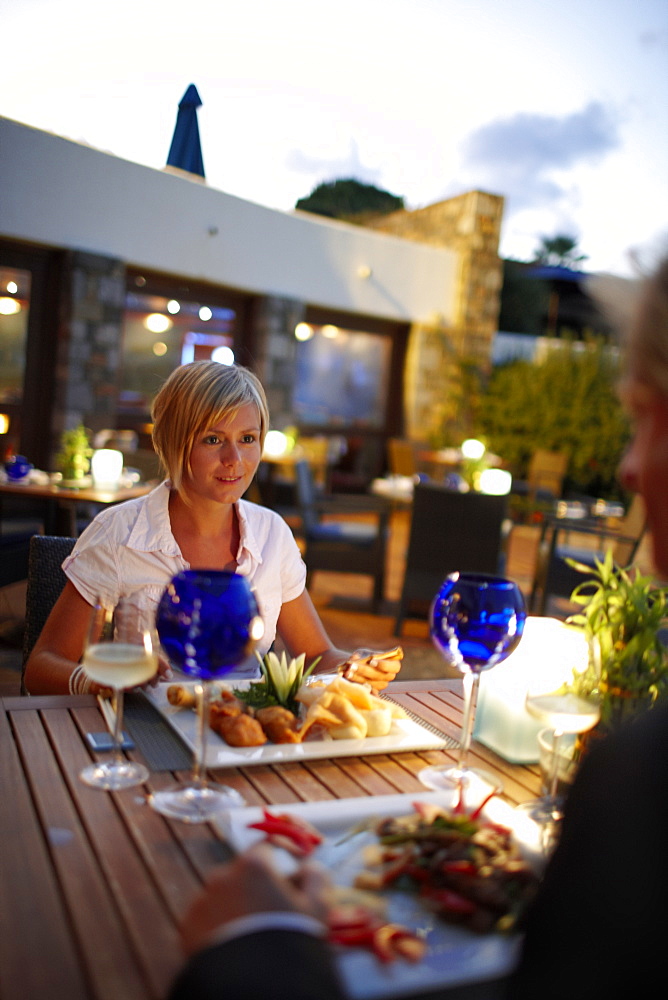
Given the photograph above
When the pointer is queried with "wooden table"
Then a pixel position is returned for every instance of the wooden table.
(60, 502)
(92, 884)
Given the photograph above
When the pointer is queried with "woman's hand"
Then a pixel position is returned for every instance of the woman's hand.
(367, 666)
(163, 673)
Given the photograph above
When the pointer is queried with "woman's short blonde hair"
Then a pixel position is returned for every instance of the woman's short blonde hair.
(194, 397)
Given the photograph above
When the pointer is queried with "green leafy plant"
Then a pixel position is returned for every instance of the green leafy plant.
(280, 682)
(622, 615)
(564, 402)
(73, 459)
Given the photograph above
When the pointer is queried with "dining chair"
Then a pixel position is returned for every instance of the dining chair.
(46, 581)
(335, 540)
(449, 531)
(401, 457)
(553, 577)
(545, 477)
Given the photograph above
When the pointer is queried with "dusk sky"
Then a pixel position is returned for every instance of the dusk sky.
(560, 107)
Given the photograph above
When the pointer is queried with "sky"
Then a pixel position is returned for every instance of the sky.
(561, 107)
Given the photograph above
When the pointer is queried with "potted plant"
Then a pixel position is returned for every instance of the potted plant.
(73, 459)
(622, 614)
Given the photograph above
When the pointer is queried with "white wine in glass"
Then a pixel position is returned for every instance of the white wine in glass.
(564, 713)
(121, 652)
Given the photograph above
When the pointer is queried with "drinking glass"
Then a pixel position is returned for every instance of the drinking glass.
(476, 621)
(121, 652)
(208, 623)
(563, 713)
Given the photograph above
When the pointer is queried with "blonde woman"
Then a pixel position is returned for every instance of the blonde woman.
(210, 421)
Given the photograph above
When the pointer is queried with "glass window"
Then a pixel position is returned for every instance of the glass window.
(14, 312)
(162, 333)
(342, 377)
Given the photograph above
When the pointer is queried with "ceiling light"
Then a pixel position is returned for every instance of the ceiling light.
(8, 306)
(158, 323)
(303, 331)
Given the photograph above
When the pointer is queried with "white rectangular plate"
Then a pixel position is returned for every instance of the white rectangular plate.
(406, 734)
(454, 956)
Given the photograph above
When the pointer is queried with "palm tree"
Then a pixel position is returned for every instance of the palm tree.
(558, 251)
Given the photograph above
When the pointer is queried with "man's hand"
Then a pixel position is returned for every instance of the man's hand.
(250, 884)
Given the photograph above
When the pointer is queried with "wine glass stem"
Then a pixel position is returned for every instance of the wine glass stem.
(471, 681)
(554, 776)
(118, 725)
(202, 692)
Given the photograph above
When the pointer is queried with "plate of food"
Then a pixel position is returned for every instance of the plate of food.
(334, 718)
(395, 932)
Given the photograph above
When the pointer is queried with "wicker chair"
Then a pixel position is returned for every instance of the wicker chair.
(342, 546)
(45, 584)
(449, 531)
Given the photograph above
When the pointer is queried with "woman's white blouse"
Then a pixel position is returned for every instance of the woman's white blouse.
(130, 547)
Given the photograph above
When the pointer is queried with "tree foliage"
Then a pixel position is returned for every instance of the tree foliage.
(345, 199)
(565, 403)
(559, 251)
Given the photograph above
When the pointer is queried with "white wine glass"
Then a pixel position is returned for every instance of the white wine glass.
(563, 713)
(121, 652)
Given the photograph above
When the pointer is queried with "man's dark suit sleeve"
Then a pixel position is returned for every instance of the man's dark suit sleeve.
(272, 964)
(599, 926)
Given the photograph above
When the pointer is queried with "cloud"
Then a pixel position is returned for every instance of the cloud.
(654, 39)
(332, 168)
(517, 156)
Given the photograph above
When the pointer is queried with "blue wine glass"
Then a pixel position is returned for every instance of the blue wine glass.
(476, 621)
(208, 622)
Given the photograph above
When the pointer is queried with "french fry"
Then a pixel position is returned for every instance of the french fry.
(378, 721)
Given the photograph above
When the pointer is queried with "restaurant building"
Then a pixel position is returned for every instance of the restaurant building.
(112, 274)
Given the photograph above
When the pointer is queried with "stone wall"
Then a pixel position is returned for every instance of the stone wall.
(274, 322)
(469, 224)
(87, 367)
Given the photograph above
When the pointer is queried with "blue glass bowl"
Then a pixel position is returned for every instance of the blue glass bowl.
(477, 620)
(18, 467)
(208, 622)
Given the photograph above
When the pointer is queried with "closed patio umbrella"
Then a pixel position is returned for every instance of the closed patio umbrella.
(185, 153)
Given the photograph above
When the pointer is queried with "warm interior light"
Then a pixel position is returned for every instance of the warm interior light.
(303, 331)
(8, 306)
(205, 313)
(329, 330)
(495, 482)
(549, 648)
(275, 444)
(12, 287)
(4, 423)
(159, 349)
(157, 323)
(107, 467)
(223, 355)
(471, 448)
(173, 307)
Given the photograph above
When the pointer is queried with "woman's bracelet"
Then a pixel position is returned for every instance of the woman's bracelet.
(80, 682)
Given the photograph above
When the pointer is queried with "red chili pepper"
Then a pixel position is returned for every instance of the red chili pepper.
(459, 867)
(304, 839)
(476, 813)
(387, 941)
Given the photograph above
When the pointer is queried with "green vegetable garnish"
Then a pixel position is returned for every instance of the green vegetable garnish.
(280, 684)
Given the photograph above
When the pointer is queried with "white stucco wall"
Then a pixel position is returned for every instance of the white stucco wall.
(60, 193)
